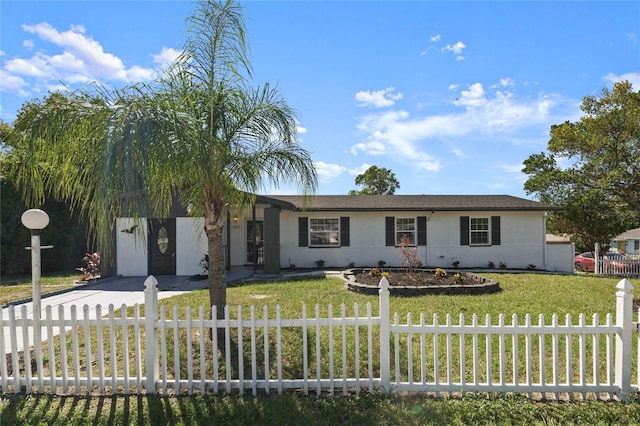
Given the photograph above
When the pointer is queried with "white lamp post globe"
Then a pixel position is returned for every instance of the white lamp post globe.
(35, 219)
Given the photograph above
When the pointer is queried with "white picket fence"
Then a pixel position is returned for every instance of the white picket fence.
(619, 266)
(120, 351)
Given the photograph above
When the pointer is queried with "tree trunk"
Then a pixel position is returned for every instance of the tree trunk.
(217, 275)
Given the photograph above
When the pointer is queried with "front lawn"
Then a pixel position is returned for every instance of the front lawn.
(521, 294)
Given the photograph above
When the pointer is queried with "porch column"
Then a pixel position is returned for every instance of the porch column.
(272, 240)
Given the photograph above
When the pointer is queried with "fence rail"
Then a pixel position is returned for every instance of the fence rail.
(178, 352)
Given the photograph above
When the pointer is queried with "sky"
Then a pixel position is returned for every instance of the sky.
(451, 97)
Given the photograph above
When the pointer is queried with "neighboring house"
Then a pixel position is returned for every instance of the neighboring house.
(627, 242)
(280, 231)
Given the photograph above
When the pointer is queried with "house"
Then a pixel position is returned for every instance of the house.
(627, 242)
(280, 231)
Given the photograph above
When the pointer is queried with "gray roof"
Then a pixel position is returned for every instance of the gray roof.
(632, 234)
(407, 203)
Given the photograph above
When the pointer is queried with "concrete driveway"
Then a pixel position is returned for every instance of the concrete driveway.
(116, 291)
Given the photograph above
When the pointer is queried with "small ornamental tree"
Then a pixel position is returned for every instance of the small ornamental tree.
(409, 254)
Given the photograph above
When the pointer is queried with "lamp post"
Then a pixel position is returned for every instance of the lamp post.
(35, 220)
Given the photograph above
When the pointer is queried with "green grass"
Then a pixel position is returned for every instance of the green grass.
(295, 409)
(13, 288)
(522, 293)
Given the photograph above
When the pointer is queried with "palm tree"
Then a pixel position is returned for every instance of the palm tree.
(199, 131)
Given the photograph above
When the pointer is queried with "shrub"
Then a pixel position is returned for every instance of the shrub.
(440, 272)
(374, 272)
(503, 265)
(409, 254)
(457, 278)
(320, 263)
(455, 263)
(531, 267)
(381, 263)
(91, 268)
(491, 265)
(351, 265)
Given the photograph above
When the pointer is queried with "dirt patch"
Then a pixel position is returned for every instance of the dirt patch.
(259, 296)
(416, 279)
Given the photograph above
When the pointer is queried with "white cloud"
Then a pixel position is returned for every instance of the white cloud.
(28, 44)
(166, 57)
(360, 169)
(435, 38)
(458, 152)
(632, 77)
(373, 147)
(327, 172)
(12, 83)
(504, 82)
(511, 168)
(378, 98)
(81, 59)
(414, 140)
(456, 49)
(90, 52)
(34, 67)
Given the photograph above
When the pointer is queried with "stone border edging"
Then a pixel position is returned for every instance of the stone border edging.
(483, 285)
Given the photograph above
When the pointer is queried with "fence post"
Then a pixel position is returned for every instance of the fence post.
(624, 320)
(597, 266)
(151, 332)
(385, 353)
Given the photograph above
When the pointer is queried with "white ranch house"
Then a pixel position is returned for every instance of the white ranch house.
(281, 231)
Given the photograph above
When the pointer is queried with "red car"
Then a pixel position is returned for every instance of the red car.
(612, 262)
(584, 262)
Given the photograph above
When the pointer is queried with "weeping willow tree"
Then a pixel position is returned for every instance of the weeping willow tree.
(200, 131)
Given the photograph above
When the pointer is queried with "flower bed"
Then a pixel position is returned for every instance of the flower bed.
(419, 282)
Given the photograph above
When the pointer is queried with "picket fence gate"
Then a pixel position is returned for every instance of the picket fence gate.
(178, 352)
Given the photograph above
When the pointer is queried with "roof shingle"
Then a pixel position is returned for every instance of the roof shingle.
(408, 202)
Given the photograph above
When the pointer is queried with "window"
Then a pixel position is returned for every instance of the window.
(324, 232)
(406, 226)
(414, 228)
(479, 230)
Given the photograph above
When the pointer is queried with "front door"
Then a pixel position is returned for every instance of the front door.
(255, 243)
(162, 247)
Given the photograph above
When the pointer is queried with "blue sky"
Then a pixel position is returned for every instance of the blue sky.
(450, 96)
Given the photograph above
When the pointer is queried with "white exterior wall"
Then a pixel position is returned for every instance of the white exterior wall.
(522, 241)
(132, 255)
(191, 245)
(560, 257)
(367, 241)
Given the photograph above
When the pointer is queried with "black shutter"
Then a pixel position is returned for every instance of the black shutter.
(390, 230)
(422, 230)
(344, 231)
(464, 230)
(495, 230)
(303, 232)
